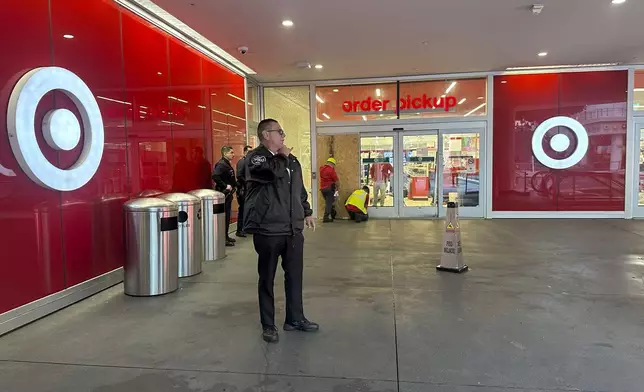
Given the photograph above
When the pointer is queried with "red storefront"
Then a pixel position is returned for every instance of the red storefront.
(166, 109)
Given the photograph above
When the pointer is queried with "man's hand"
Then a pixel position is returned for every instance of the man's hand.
(310, 222)
(286, 151)
(229, 187)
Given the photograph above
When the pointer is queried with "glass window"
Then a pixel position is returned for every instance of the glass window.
(443, 98)
(252, 95)
(525, 179)
(357, 102)
(376, 168)
(461, 161)
(638, 96)
(290, 107)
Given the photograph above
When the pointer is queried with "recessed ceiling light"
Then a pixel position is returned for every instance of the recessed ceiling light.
(462, 100)
(159, 73)
(68, 36)
(480, 98)
(326, 116)
(377, 92)
(618, 1)
(504, 81)
(543, 54)
(287, 23)
(335, 90)
(318, 66)
(320, 100)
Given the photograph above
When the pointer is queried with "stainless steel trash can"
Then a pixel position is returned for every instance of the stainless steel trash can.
(190, 249)
(214, 223)
(151, 265)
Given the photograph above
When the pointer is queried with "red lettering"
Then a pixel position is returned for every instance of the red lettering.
(366, 105)
(405, 103)
(427, 102)
(450, 103)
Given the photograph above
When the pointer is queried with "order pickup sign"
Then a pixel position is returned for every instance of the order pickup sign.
(405, 103)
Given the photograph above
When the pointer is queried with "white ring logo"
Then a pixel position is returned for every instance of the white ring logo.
(60, 128)
(560, 142)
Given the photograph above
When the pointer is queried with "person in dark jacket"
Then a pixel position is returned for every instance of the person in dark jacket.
(225, 182)
(241, 191)
(276, 211)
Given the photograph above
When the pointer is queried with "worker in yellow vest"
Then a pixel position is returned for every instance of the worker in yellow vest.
(357, 203)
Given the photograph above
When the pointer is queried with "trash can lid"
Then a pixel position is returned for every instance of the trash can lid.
(181, 198)
(209, 194)
(150, 204)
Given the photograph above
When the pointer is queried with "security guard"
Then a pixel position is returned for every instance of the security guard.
(276, 210)
(357, 203)
(225, 182)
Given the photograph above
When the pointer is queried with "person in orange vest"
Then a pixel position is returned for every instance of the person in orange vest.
(357, 203)
(329, 187)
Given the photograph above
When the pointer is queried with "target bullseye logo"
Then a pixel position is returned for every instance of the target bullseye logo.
(560, 142)
(60, 127)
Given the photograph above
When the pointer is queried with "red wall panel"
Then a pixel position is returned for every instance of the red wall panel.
(521, 103)
(52, 240)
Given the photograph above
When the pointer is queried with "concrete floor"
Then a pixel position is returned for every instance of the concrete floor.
(549, 305)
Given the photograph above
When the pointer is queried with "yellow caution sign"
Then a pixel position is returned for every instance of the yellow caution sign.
(452, 255)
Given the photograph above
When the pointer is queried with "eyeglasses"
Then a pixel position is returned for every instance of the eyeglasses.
(280, 131)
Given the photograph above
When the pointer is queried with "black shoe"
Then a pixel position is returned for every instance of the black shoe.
(230, 243)
(270, 335)
(240, 234)
(303, 325)
(327, 220)
(231, 239)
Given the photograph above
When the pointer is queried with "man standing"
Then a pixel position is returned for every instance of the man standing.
(241, 191)
(380, 173)
(276, 211)
(328, 187)
(224, 177)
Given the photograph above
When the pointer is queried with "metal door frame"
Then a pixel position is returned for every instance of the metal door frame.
(418, 212)
(638, 129)
(466, 212)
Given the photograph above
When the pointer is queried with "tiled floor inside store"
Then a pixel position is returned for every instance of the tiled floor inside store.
(548, 305)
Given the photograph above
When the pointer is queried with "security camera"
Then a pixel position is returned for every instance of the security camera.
(243, 49)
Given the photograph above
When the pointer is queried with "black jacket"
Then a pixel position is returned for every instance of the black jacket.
(224, 175)
(241, 178)
(276, 201)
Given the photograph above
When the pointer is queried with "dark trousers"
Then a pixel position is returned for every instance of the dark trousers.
(358, 216)
(240, 214)
(229, 205)
(329, 202)
(269, 249)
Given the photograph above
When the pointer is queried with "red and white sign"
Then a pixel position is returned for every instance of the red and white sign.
(405, 103)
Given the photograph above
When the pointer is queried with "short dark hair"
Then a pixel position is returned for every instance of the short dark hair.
(365, 188)
(225, 150)
(263, 126)
(247, 148)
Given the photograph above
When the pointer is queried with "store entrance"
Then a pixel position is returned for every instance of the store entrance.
(414, 174)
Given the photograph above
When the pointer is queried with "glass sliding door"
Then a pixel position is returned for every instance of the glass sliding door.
(420, 193)
(377, 171)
